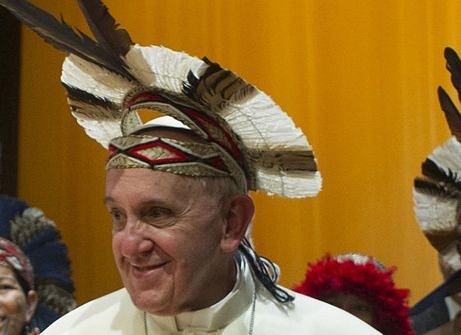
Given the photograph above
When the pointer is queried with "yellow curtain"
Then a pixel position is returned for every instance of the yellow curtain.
(359, 77)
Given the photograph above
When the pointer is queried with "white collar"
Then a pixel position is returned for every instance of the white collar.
(216, 316)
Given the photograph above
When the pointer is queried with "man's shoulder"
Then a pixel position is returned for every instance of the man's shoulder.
(306, 315)
(95, 314)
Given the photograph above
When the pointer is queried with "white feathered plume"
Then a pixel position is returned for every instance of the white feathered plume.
(437, 193)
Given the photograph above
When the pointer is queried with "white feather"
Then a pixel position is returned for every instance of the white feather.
(294, 185)
(94, 79)
(161, 67)
(262, 125)
(448, 156)
(99, 123)
(435, 213)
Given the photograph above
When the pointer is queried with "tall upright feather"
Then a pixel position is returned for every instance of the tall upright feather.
(104, 27)
(452, 114)
(63, 37)
(454, 66)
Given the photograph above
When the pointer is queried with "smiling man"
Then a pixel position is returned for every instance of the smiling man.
(172, 240)
(177, 188)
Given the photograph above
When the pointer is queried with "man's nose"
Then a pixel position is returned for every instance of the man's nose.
(136, 240)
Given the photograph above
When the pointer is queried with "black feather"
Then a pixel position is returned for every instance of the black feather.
(431, 170)
(104, 27)
(452, 114)
(428, 186)
(217, 87)
(438, 181)
(454, 66)
(63, 37)
(80, 95)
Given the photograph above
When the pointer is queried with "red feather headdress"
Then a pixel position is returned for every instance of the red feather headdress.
(365, 278)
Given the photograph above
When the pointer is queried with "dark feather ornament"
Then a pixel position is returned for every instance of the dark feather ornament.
(452, 114)
(217, 87)
(104, 27)
(63, 37)
(454, 66)
(429, 186)
(432, 171)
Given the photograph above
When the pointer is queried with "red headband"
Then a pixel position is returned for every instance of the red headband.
(13, 257)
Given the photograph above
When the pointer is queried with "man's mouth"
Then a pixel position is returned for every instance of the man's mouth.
(147, 268)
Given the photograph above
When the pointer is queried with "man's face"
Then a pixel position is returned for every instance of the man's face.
(166, 240)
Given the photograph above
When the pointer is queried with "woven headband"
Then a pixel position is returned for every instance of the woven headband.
(217, 155)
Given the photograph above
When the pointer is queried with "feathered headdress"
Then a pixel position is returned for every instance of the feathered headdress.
(108, 79)
(366, 278)
(39, 239)
(437, 200)
(437, 193)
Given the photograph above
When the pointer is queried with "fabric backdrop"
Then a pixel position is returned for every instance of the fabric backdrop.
(359, 77)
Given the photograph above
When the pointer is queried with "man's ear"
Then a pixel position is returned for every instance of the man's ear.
(238, 216)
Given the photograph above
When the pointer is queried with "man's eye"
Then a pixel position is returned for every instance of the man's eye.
(118, 219)
(159, 217)
(157, 212)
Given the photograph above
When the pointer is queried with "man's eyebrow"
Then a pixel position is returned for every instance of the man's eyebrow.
(107, 199)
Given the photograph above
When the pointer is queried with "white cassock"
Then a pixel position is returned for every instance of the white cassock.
(239, 313)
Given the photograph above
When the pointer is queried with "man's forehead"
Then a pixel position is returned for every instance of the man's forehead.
(146, 185)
